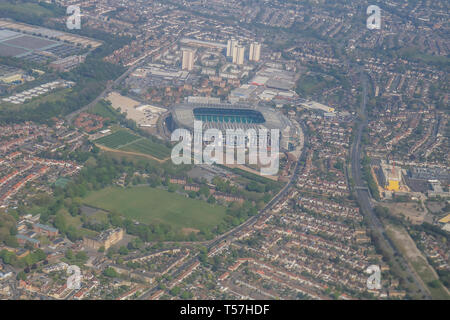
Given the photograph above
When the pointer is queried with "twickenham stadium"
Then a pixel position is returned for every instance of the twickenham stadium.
(223, 116)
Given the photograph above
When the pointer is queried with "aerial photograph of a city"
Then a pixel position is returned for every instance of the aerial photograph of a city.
(224, 156)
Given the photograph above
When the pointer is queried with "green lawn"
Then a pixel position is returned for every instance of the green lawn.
(146, 146)
(117, 139)
(26, 8)
(310, 84)
(127, 141)
(104, 110)
(150, 205)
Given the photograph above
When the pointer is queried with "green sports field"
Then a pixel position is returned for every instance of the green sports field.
(126, 141)
(151, 205)
(117, 139)
(146, 146)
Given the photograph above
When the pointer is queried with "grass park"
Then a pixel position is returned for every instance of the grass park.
(151, 205)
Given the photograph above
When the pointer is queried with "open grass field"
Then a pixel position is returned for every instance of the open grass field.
(146, 146)
(26, 8)
(151, 205)
(407, 246)
(310, 84)
(124, 140)
(104, 110)
(117, 139)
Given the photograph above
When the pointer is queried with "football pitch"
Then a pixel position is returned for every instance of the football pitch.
(126, 141)
(117, 139)
(146, 146)
(150, 205)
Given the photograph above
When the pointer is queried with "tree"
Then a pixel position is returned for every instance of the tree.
(69, 255)
(204, 190)
(186, 295)
(110, 272)
(11, 241)
(22, 276)
(123, 250)
(172, 188)
(175, 291)
(211, 200)
(81, 256)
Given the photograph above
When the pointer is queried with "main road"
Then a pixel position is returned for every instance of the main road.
(364, 198)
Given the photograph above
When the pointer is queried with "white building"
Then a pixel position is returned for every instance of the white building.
(255, 51)
(240, 54)
(188, 59)
(232, 47)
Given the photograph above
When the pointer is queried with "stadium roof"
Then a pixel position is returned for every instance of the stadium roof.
(183, 116)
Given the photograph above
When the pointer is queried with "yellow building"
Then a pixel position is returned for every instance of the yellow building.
(445, 219)
(12, 77)
(105, 239)
(393, 185)
(391, 178)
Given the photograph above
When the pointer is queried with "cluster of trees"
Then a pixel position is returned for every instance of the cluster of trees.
(225, 186)
(384, 212)
(8, 229)
(236, 214)
(269, 185)
(110, 272)
(176, 292)
(27, 262)
(78, 258)
(255, 186)
(72, 233)
(95, 226)
(367, 175)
